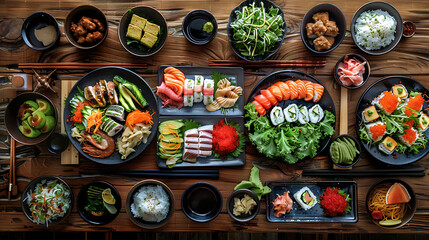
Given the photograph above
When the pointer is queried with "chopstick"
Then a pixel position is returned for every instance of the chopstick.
(77, 65)
(268, 63)
(12, 168)
(161, 173)
(408, 172)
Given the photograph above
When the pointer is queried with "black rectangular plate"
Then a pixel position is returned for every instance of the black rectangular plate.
(210, 161)
(315, 214)
(235, 74)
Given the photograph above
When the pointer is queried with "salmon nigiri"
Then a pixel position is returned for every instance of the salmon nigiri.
(318, 92)
(259, 108)
(302, 90)
(276, 92)
(176, 72)
(261, 99)
(293, 89)
(284, 88)
(310, 91)
(172, 82)
(270, 97)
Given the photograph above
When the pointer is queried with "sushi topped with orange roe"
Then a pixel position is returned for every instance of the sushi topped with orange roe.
(387, 102)
(414, 104)
(410, 136)
(376, 130)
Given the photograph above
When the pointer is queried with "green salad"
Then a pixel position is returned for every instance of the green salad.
(288, 141)
(256, 29)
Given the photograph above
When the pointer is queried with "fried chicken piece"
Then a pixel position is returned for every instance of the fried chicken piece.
(81, 40)
(87, 23)
(319, 28)
(100, 25)
(73, 27)
(323, 43)
(89, 38)
(309, 28)
(81, 31)
(321, 16)
(331, 28)
(97, 35)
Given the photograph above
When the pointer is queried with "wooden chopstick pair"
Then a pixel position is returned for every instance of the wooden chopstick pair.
(12, 178)
(78, 65)
(268, 63)
(407, 172)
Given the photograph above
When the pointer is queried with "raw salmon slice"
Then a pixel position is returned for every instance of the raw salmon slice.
(302, 90)
(276, 92)
(293, 89)
(397, 194)
(259, 108)
(261, 99)
(284, 88)
(270, 97)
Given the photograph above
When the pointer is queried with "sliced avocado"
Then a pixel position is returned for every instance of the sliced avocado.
(26, 109)
(49, 125)
(37, 120)
(28, 131)
(45, 107)
(32, 103)
(171, 124)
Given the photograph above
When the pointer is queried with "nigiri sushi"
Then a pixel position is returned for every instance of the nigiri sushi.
(276, 92)
(188, 97)
(388, 145)
(291, 113)
(316, 113)
(318, 92)
(400, 91)
(376, 130)
(302, 90)
(293, 89)
(303, 117)
(198, 88)
(259, 108)
(270, 97)
(310, 91)
(387, 102)
(277, 116)
(208, 91)
(261, 99)
(284, 88)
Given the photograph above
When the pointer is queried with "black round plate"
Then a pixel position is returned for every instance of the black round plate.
(373, 91)
(82, 201)
(107, 73)
(325, 102)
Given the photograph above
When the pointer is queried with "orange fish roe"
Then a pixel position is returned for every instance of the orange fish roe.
(377, 131)
(389, 101)
(414, 103)
(410, 135)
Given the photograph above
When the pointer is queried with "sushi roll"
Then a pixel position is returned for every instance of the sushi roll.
(198, 88)
(277, 116)
(400, 91)
(423, 122)
(410, 136)
(303, 115)
(305, 198)
(388, 145)
(116, 111)
(370, 114)
(208, 91)
(387, 102)
(316, 113)
(110, 127)
(376, 130)
(291, 113)
(188, 100)
(188, 97)
(414, 104)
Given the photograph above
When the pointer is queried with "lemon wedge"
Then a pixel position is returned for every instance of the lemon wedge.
(108, 197)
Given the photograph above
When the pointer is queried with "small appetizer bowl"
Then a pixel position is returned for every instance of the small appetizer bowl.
(130, 200)
(411, 210)
(240, 194)
(57, 143)
(358, 147)
(384, 7)
(32, 186)
(335, 14)
(35, 21)
(150, 13)
(12, 122)
(201, 202)
(75, 15)
(365, 75)
(409, 29)
(82, 202)
(198, 18)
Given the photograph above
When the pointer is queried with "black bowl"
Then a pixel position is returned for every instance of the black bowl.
(335, 14)
(194, 16)
(365, 75)
(12, 122)
(410, 211)
(32, 185)
(240, 194)
(57, 143)
(81, 202)
(385, 7)
(75, 15)
(232, 16)
(152, 14)
(36, 21)
(358, 147)
(188, 199)
(130, 199)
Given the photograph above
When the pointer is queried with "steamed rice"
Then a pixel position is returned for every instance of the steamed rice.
(151, 203)
(375, 29)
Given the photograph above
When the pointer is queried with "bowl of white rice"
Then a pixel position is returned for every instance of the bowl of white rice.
(376, 28)
(150, 204)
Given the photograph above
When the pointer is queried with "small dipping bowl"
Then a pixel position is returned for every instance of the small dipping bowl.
(240, 194)
(192, 27)
(57, 143)
(358, 147)
(365, 75)
(409, 29)
(201, 202)
(35, 21)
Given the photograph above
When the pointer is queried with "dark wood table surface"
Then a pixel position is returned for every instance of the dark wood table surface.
(410, 58)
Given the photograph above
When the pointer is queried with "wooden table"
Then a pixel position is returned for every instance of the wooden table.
(410, 58)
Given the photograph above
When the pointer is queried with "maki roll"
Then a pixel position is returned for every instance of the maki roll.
(208, 91)
(316, 113)
(410, 136)
(414, 104)
(110, 127)
(116, 111)
(376, 130)
(388, 145)
(277, 116)
(303, 117)
(198, 88)
(400, 91)
(387, 102)
(291, 113)
(188, 97)
(423, 122)
(370, 114)
(305, 198)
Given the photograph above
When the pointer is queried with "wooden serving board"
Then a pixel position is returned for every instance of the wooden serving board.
(70, 156)
(344, 121)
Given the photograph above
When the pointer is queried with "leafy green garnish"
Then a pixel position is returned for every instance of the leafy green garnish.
(348, 200)
(79, 126)
(413, 94)
(254, 184)
(240, 148)
(189, 124)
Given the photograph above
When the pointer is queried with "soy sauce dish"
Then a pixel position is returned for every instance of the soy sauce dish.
(40, 31)
(201, 202)
(199, 27)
